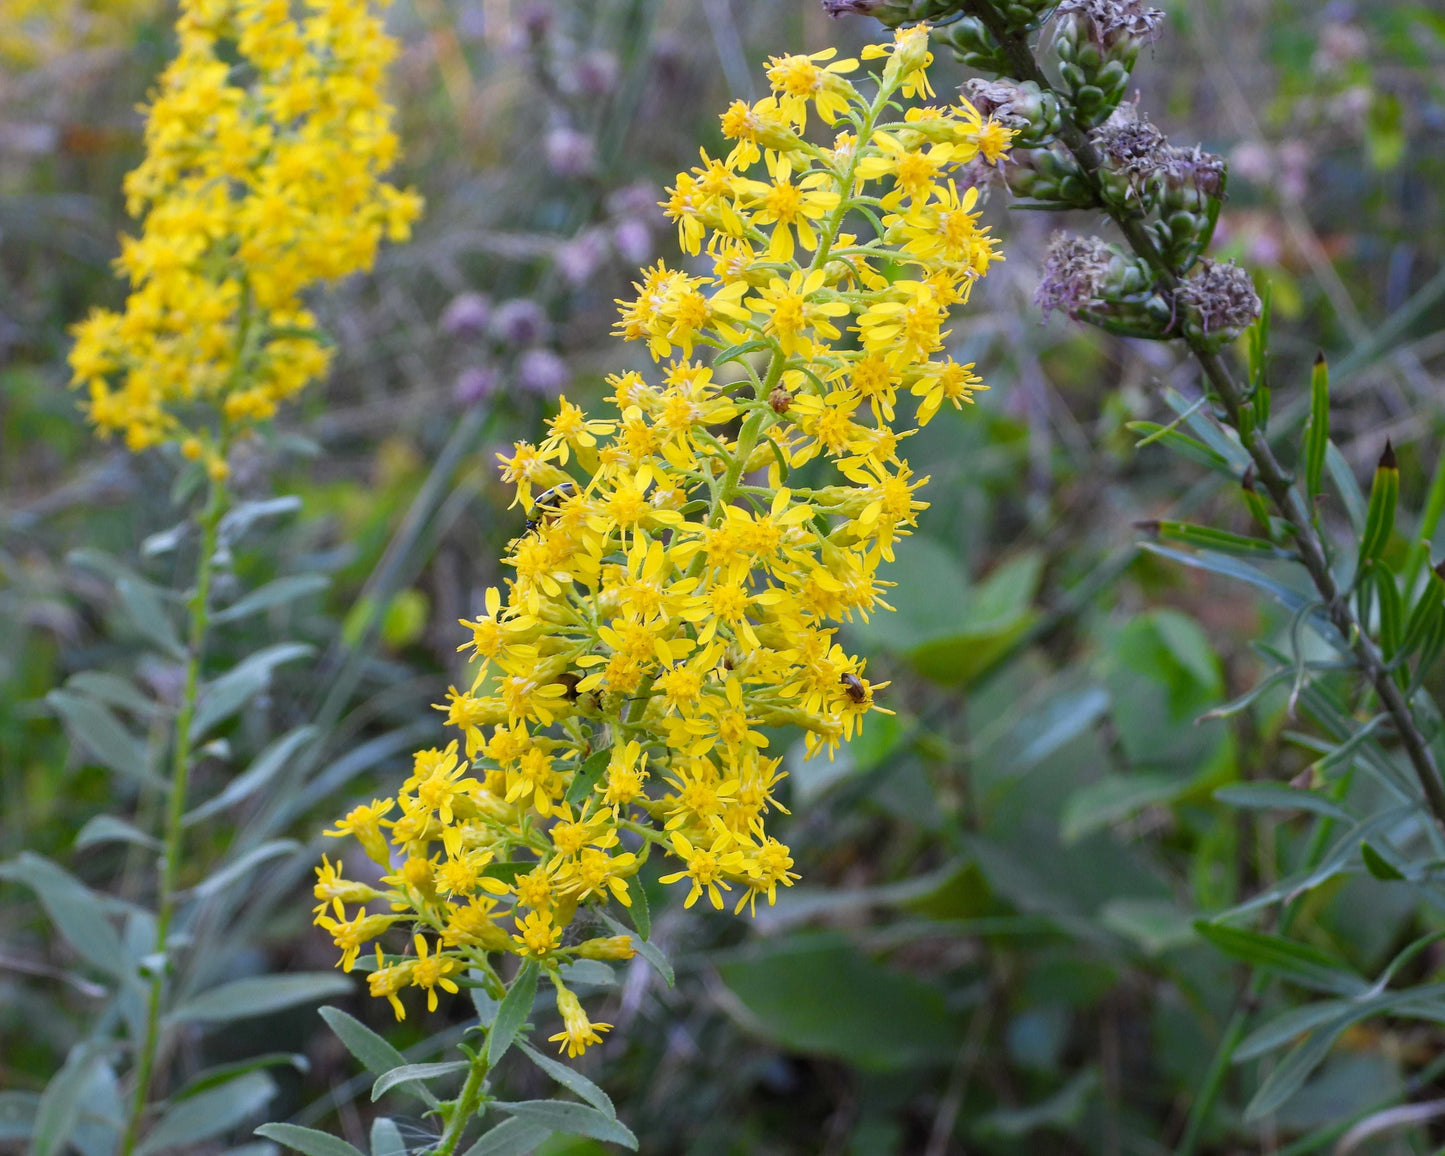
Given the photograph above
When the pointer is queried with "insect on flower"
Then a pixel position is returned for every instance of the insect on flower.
(549, 502)
(854, 687)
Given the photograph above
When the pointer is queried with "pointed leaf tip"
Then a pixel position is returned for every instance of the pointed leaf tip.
(1387, 459)
(1319, 357)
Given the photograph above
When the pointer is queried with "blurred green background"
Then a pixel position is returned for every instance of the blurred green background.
(992, 949)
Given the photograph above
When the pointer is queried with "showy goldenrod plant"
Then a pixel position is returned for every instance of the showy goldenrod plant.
(266, 142)
(1057, 72)
(677, 592)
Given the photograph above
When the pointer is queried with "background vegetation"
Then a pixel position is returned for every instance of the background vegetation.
(995, 946)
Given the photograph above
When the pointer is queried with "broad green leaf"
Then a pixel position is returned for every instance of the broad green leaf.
(59, 1108)
(146, 610)
(109, 829)
(77, 912)
(227, 694)
(1155, 925)
(1273, 797)
(570, 1079)
(17, 1114)
(587, 775)
(649, 951)
(1297, 962)
(106, 738)
(573, 1119)
(260, 995)
(1317, 431)
(1112, 799)
(209, 1113)
(232, 872)
(817, 994)
(386, 1138)
(273, 759)
(275, 593)
(307, 1141)
(1378, 866)
(375, 1054)
(512, 1015)
(512, 1137)
(408, 1073)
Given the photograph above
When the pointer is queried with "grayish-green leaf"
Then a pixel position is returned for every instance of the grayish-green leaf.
(59, 1107)
(512, 1137)
(573, 1119)
(649, 951)
(109, 829)
(107, 739)
(386, 1138)
(371, 1050)
(277, 592)
(1297, 962)
(17, 1114)
(408, 1073)
(573, 1081)
(77, 912)
(273, 759)
(209, 1113)
(1274, 797)
(231, 872)
(231, 691)
(307, 1141)
(513, 1013)
(146, 610)
(1114, 798)
(261, 995)
(113, 690)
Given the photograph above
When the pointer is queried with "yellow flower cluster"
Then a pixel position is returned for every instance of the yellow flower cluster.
(264, 152)
(34, 32)
(677, 592)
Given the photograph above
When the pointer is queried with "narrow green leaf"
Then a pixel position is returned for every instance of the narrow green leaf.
(277, 592)
(1181, 443)
(265, 767)
(373, 1052)
(409, 1073)
(386, 1138)
(1380, 513)
(78, 913)
(512, 1137)
(1317, 432)
(109, 742)
(587, 775)
(1425, 615)
(109, 829)
(1296, 1067)
(1208, 538)
(307, 1141)
(1297, 962)
(1376, 865)
(516, 1007)
(638, 911)
(209, 1113)
(573, 1119)
(1286, 1028)
(261, 995)
(1348, 486)
(647, 950)
(1273, 797)
(572, 1080)
(231, 691)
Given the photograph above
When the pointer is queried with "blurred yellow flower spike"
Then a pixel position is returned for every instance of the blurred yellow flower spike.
(266, 142)
(674, 597)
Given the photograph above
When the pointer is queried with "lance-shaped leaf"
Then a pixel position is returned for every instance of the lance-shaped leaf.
(1208, 538)
(1182, 443)
(513, 1013)
(307, 1141)
(573, 1119)
(587, 775)
(409, 1073)
(1317, 431)
(374, 1052)
(1297, 962)
(103, 735)
(1380, 513)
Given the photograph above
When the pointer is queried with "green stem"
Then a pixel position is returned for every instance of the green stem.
(170, 865)
(464, 1107)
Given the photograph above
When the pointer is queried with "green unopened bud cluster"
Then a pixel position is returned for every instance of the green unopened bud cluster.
(1097, 43)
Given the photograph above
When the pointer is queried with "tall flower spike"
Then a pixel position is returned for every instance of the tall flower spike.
(678, 586)
(265, 145)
